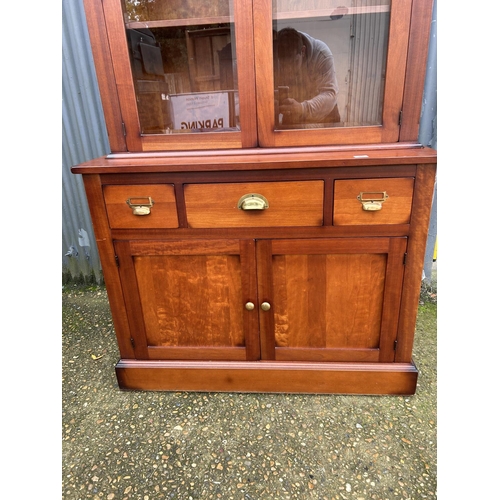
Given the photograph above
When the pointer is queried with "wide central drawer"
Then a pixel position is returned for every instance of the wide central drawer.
(254, 204)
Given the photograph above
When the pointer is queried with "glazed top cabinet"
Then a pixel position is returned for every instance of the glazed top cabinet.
(191, 75)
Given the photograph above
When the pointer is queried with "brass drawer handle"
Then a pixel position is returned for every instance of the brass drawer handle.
(372, 201)
(141, 206)
(253, 201)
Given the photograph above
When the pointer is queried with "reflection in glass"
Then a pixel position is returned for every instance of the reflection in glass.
(329, 62)
(183, 63)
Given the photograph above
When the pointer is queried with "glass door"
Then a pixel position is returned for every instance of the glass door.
(184, 72)
(330, 70)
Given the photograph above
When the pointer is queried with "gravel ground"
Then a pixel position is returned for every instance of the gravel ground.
(126, 445)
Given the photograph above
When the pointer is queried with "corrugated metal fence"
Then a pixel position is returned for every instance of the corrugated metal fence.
(85, 137)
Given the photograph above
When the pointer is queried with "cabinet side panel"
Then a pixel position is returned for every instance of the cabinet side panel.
(104, 242)
(419, 224)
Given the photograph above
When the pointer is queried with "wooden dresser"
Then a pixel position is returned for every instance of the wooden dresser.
(259, 259)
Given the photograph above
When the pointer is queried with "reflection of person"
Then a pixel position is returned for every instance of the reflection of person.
(306, 67)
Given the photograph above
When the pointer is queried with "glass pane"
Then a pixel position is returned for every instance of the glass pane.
(182, 54)
(329, 62)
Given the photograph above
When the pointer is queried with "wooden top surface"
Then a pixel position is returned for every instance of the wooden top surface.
(258, 159)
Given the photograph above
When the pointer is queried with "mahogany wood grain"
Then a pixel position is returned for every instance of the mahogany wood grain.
(328, 203)
(192, 300)
(105, 77)
(392, 298)
(122, 72)
(396, 208)
(417, 240)
(245, 51)
(97, 208)
(269, 376)
(333, 296)
(395, 78)
(130, 291)
(290, 204)
(258, 160)
(265, 232)
(340, 295)
(199, 353)
(306, 173)
(416, 66)
(163, 212)
(248, 257)
(265, 285)
(328, 300)
(186, 301)
(327, 355)
(191, 141)
(343, 301)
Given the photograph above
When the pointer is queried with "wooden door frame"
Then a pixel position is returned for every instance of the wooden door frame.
(393, 247)
(127, 249)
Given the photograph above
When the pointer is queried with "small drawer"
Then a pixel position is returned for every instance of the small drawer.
(254, 204)
(141, 206)
(372, 201)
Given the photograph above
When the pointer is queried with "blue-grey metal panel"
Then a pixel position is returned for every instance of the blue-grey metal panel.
(428, 134)
(84, 137)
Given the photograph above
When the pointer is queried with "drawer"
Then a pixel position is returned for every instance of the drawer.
(294, 203)
(128, 206)
(372, 201)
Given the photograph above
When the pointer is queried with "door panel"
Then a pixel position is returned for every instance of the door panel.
(305, 300)
(331, 300)
(187, 301)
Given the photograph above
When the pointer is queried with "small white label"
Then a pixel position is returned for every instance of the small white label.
(209, 110)
(361, 156)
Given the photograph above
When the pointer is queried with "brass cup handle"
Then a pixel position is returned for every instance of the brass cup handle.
(253, 201)
(372, 201)
(141, 206)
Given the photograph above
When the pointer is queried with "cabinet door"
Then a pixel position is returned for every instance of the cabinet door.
(330, 72)
(186, 299)
(183, 70)
(330, 300)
